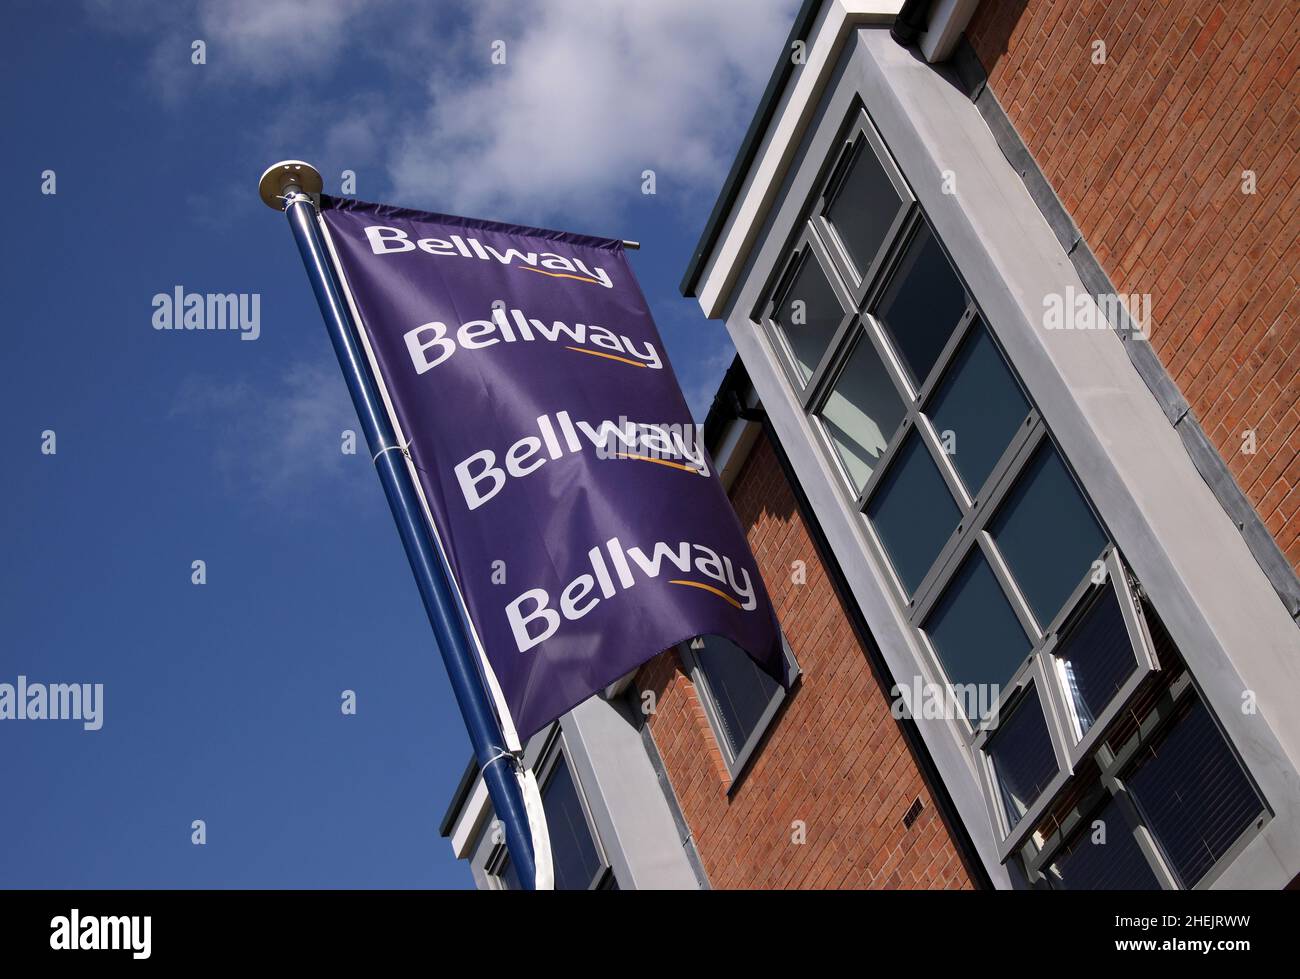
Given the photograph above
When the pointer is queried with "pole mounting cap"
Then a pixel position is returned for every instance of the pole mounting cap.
(280, 175)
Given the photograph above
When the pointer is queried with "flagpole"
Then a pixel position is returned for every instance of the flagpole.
(288, 186)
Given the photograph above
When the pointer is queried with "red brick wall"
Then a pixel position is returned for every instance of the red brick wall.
(1147, 152)
(835, 758)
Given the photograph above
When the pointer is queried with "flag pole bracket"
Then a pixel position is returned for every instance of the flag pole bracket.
(288, 173)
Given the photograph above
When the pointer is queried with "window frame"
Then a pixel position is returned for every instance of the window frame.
(807, 248)
(1037, 856)
(977, 506)
(862, 329)
(738, 761)
(861, 129)
(553, 752)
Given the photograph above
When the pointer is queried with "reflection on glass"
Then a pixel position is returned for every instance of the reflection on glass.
(740, 690)
(1096, 657)
(1109, 862)
(808, 314)
(573, 851)
(1023, 760)
(862, 412)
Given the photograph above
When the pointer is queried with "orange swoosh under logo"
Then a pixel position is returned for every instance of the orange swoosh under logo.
(699, 584)
(559, 275)
(662, 462)
(597, 353)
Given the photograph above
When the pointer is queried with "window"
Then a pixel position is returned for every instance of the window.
(913, 512)
(1095, 659)
(740, 699)
(973, 629)
(1001, 565)
(1191, 793)
(980, 404)
(1022, 757)
(863, 208)
(1047, 533)
(1103, 856)
(576, 855)
(577, 861)
(808, 314)
(862, 412)
(922, 305)
(1174, 804)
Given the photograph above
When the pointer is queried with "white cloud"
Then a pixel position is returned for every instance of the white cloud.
(591, 95)
(270, 39)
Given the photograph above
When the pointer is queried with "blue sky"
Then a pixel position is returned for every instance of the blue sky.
(222, 701)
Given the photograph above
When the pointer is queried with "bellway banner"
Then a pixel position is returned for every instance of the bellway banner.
(578, 507)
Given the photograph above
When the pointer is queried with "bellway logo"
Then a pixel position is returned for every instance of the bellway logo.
(390, 241)
(429, 344)
(562, 435)
(576, 600)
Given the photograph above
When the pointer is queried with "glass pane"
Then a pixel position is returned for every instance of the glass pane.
(922, 305)
(572, 848)
(740, 690)
(913, 512)
(506, 874)
(1047, 534)
(1103, 856)
(1023, 760)
(808, 314)
(974, 630)
(1192, 793)
(1096, 658)
(863, 411)
(864, 207)
(980, 403)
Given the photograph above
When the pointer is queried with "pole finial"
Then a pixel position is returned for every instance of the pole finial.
(280, 175)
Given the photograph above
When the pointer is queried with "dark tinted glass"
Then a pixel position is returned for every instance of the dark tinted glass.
(1096, 657)
(862, 412)
(922, 305)
(913, 512)
(1023, 760)
(973, 628)
(1103, 858)
(1192, 793)
(572, 848)
(506, 874)
(1047, 534)
(740, 690)
(980, 402)
(808, 314)
(864, 207)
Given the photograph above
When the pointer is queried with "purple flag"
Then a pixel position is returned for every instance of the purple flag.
(577, 505)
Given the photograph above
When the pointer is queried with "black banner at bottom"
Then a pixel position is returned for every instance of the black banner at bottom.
(335, 928)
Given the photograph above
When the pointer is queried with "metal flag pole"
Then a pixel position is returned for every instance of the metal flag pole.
(288, 186)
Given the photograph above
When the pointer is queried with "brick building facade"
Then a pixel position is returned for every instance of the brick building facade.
(945, 489)
(836, 771)
(1178, 160)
